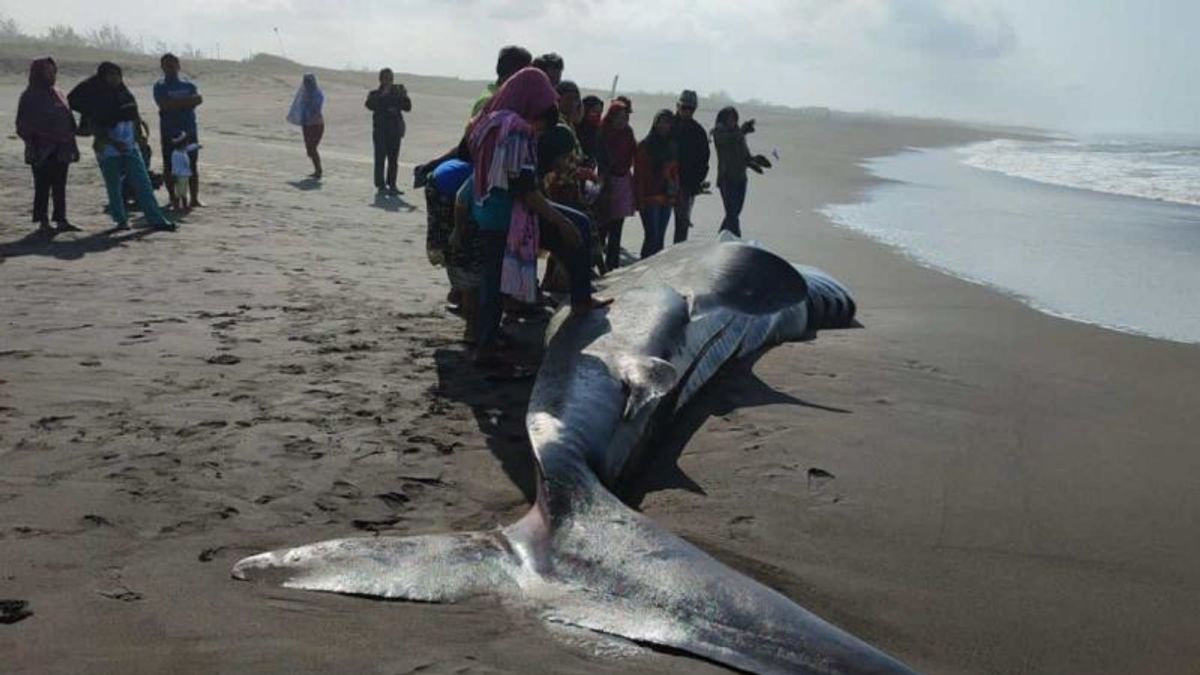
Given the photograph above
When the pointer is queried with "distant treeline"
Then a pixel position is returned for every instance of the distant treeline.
(108, 37)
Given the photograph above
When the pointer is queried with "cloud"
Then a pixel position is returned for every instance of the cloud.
(950, 29)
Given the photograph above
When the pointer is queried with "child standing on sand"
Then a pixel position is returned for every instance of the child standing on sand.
(181, 169)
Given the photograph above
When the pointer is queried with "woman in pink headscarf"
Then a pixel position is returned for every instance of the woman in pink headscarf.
(45, 123)
(502, 141)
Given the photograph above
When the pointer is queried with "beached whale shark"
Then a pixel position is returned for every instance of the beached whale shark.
(581, 556)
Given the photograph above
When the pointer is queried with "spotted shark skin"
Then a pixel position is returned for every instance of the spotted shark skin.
(581, 557)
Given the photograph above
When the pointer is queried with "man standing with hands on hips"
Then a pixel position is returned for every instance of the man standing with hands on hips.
(691, 142)
(177, 100)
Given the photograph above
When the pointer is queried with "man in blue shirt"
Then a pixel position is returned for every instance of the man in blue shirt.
(177, 100)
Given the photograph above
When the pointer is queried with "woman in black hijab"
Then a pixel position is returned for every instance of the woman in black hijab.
(45, 123)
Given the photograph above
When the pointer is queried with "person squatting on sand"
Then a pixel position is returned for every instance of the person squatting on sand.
(450, 239)
(387, 103)
(177, 101)
(306, 113)
(617, 149)
(112, 117)
(691, 141)
(656, 181)
(507, 205)
(45, 123)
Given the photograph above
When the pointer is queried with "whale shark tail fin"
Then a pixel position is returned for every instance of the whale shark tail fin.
(429, 568)
(614, 571)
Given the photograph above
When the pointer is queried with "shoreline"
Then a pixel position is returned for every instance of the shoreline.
(998, 480)
(930, 177)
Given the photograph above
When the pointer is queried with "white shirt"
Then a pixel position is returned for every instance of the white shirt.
(181, 164)
(123, 132)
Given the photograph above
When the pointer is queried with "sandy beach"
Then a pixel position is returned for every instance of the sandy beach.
(971, 485)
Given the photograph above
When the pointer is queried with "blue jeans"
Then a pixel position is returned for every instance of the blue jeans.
(130, 166)
(612, 244)
(733, 196)
(654, 223)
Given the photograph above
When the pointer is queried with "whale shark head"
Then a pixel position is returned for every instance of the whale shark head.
(830, 304)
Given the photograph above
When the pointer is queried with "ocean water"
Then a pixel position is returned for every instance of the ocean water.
(1135, 168)
(1105, 233)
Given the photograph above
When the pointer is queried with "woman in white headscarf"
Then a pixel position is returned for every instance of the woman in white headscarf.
(306, 114)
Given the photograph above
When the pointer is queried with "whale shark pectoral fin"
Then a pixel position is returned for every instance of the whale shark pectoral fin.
(432, 568)
(647, 379)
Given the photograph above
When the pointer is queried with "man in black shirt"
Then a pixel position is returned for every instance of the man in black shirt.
(691, 142)
(388, 104)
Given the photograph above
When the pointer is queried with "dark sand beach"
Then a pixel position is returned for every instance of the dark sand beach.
(971, 485)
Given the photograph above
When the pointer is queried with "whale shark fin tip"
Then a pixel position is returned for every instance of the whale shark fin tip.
(429, 568)
(647, 378)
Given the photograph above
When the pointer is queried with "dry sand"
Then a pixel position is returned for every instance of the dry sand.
(967, 483)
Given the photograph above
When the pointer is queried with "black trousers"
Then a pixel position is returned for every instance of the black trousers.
(578, 261)
(387, 151)
(50, 177)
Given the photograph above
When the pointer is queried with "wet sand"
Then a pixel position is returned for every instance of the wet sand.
(965, 482)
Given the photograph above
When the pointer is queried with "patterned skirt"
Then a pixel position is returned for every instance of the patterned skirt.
(463, 263)
(617, 201)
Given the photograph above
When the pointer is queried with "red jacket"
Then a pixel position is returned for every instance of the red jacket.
(654, 188)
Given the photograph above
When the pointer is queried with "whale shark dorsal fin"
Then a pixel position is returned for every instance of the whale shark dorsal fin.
(647, 379)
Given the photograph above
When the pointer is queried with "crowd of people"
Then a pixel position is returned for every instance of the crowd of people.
(538, 168)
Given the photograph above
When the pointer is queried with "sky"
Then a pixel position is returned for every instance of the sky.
(1084, 66)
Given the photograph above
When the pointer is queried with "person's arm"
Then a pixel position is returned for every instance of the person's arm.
(24, 131)
(671, 171)
(551, 216)
(372, 100)
(462, 214)
(642, 169)
(159, 91)
(524, 188)
(405, 101)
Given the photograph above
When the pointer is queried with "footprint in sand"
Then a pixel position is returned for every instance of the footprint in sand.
(822, 485)
(12, 611)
